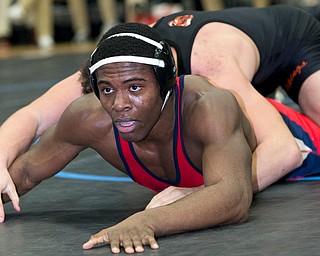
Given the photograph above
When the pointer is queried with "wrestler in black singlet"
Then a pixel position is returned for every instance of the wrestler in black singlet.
(288, 40)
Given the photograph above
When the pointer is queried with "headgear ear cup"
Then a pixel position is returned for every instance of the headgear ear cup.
(93, 80)
(94, 86)
(165, 76)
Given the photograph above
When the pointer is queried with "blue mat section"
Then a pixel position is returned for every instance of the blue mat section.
(308, 178)
(80, 176)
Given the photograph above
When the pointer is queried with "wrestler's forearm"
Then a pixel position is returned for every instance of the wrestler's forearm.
(277, 152)
(272, 161)
(222, 206)
(16, 135)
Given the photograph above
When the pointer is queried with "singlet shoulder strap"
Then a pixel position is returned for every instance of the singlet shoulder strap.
(190, 175)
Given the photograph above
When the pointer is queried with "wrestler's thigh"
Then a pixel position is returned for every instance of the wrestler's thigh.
(309, 97)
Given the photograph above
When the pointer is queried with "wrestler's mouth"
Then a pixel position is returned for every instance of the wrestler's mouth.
(125, 126)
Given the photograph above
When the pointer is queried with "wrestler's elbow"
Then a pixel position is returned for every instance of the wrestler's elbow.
(240, 215)
(294, 156)
(22, 177)
(244, 210)
(287, 156)
(241, 208)
(25, 185)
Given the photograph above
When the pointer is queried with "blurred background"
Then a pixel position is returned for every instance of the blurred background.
(48, 23)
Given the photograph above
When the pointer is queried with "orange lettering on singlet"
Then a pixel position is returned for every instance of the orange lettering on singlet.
(294, 74)
(181, 21)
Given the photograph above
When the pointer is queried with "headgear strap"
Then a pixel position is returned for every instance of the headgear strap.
(136, 59)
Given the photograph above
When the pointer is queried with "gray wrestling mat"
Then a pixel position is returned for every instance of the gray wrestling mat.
(61, 213)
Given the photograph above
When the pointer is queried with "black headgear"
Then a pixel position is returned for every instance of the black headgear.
(162, 62)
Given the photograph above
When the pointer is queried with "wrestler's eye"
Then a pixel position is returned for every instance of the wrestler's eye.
(135, 88)
(107, 90)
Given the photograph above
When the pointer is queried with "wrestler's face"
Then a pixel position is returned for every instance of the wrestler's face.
(130, 94)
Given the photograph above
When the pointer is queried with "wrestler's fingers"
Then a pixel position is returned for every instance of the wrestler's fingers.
(151, 241)
(13, 195)
(131, 245)
(117, 241)
(115, 247)
(99, 238)
(137, 243)
(2, 215)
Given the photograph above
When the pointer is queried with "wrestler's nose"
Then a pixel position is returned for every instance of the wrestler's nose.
(121, 102)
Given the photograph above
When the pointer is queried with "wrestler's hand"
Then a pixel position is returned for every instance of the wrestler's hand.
(7, 187)
(131, 234)
(170, 195)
